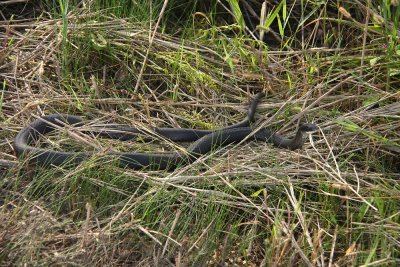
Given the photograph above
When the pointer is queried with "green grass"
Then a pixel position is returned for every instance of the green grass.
(336, 201)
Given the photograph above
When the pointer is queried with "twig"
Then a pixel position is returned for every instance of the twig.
(177, 215)
(10, 2)
(148, 49)
(333, 247)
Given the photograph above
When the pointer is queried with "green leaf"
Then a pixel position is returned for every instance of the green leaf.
(228, 57)
(280, 27)
(270, 18)
(284, 11)
(312, 70)
(258, 192)
(349, 125)
(353, 127)
(98, 40)
(398, 50)
(373, 61)
(237, 13)
(370, 100)
(393, 72)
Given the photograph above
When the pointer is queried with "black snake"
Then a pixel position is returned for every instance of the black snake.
(203, 141)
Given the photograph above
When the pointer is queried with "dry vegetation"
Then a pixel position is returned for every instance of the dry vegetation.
(335, 202)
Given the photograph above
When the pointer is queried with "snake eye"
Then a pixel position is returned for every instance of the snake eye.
(308, 127)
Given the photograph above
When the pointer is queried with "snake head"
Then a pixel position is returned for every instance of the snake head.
(260, 95)
(307, 127)
(297, 141)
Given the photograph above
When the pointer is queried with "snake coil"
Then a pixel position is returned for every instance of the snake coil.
(203, 141)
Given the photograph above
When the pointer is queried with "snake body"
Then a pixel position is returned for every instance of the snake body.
(203, 141)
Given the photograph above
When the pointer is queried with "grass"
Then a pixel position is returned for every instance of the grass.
(334, 202)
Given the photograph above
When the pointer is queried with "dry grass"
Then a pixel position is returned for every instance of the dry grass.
(335, 202)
